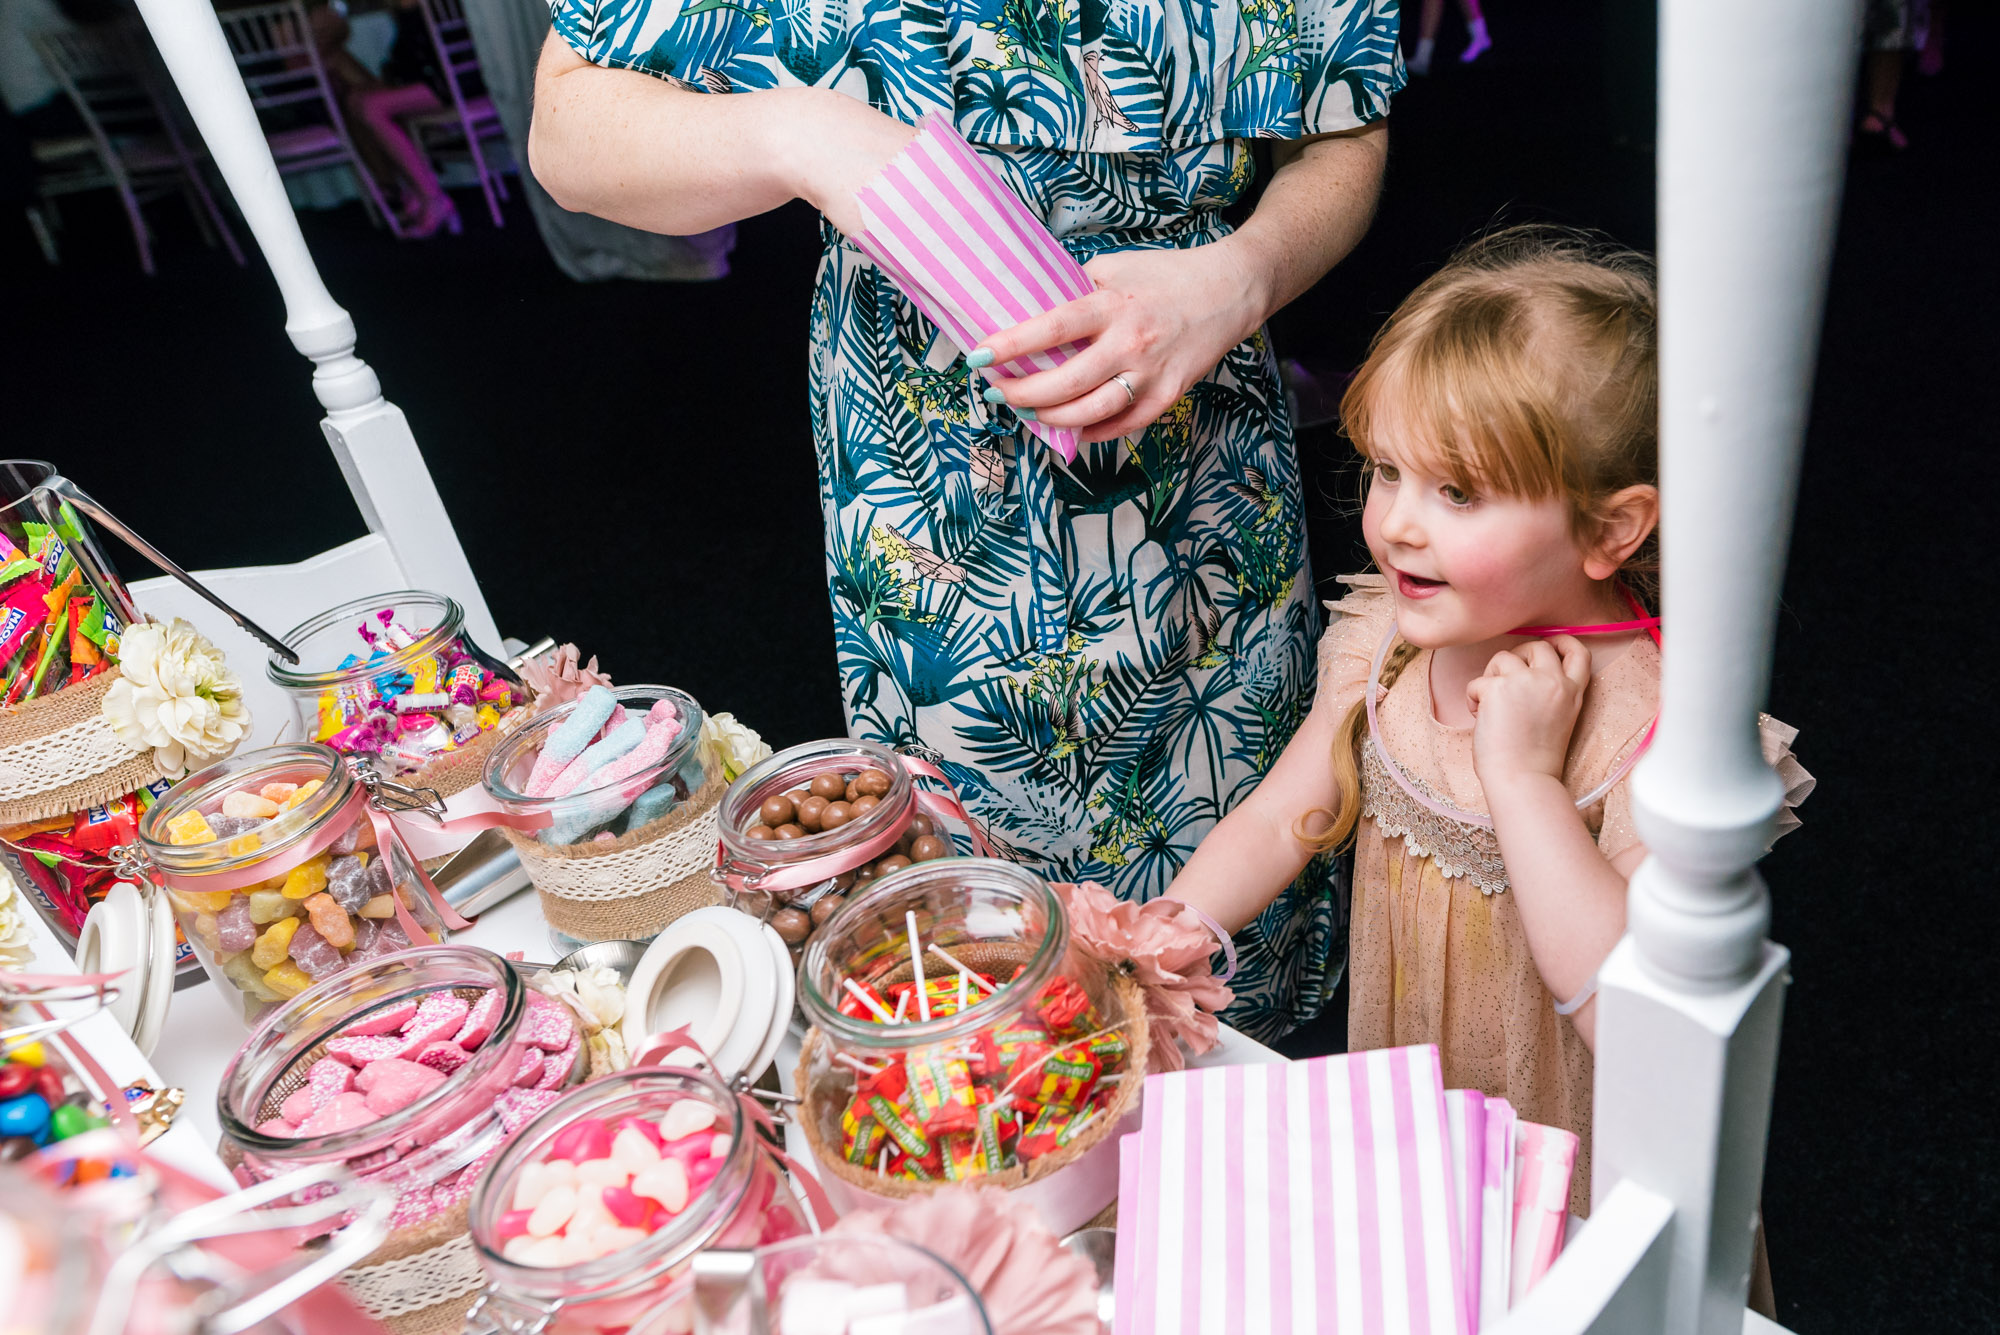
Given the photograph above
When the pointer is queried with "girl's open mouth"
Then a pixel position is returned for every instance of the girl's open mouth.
(1411, 586)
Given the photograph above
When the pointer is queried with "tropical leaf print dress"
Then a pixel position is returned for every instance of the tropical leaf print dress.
(1105, 658)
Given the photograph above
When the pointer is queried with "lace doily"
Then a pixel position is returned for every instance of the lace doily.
(625, 873)
(436, 1275)
(1460, 851)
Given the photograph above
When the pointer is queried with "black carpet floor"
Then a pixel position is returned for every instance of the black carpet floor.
(629, 467)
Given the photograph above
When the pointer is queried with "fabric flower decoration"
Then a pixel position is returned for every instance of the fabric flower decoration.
(560, 676)
(1166, 948)
(727, 743)
(1026, 1280)
(176, 695)
(15, 947)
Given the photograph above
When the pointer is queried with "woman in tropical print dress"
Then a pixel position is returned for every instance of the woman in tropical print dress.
(1104, 657)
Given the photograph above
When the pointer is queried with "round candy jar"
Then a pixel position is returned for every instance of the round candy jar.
(271, 864)
(805, 828)
(396, 677)
(626, 850)
(993, 1050)
(590, 1217)
(413, 1071)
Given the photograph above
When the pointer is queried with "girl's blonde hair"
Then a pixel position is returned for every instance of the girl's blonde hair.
(1530, 364)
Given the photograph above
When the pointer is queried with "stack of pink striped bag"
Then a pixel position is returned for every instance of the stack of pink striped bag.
(1350, 1194)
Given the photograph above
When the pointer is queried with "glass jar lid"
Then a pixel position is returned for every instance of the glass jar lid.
(797, 767)
(507, 769)
(297, 763)
(328, 640)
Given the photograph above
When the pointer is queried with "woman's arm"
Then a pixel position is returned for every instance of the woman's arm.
(1163, 319)
(1254, 853)
(643, 152)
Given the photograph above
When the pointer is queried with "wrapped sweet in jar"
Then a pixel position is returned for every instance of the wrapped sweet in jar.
(272, 866)
(804, 829)
(958, 1035)
(395, 677)
(413, 1072)
(591, 1216)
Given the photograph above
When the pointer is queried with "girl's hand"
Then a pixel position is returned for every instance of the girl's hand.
(1161, 319)
(1525, 707)
(837, 146)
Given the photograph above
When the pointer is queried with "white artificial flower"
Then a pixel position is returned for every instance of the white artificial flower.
(603, 996)
(16, 948)
(176, 695)
(727, 743)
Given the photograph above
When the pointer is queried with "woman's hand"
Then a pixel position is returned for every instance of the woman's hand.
(837, 147)
(1524, 709)
(1161, 319)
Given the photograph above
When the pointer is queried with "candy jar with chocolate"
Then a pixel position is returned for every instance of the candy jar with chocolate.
(412, 1071)
(590, 1217)
(395, 677)
(806, 828)
(276, 874)
(958, 1035)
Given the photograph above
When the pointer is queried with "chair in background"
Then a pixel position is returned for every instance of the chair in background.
(131, 145)
(468, 119)
(297, 106)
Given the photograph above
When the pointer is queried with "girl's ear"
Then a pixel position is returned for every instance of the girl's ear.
(1627, 520)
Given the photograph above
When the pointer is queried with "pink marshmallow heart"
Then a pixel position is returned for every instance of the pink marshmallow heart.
(328, 1078)
(512, 1224)
(479, 1023)
(393, 1084)
(701, 1172)
(548, 1024)
(555, 1071)
(390, 1019)
(630, 1210)
(277, 1127)
(298, 1107)
(518, 1107)
(584, 1139)
(367, 1048)
(441, 1016)
(444, 1056)
(530, 1071)
(650, 1130)
(346, 1112)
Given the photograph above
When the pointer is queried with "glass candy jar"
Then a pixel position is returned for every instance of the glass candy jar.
(958, 1035)
(396, 677)
(803, 829)
(568, 1275)
(412, 1071)
(272, 865)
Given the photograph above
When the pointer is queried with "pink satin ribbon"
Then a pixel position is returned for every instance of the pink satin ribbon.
(1228, 943)
(654, 1052)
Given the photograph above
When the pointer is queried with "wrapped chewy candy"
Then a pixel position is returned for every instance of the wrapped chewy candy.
(56, 629)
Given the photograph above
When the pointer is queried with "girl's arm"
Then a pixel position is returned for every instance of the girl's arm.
(643, 152)
(1254, 853)
(1570, 897)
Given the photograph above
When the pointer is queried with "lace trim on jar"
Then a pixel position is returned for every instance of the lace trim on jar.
(1461, 851)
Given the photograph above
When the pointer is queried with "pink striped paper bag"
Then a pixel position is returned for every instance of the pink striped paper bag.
(1465, 1126)
(1544, 1159)
(1294, 1198)
(1496, 1234)
(965, 249)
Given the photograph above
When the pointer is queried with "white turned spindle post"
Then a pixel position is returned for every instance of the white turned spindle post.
(1755, 101)
(369, 435)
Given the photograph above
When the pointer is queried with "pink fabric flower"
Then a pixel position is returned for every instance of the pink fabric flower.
(560, 676)
(1027, 1282)
(1166, 946)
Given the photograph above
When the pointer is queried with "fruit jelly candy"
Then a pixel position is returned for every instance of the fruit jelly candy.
(287, 979)
(548, 1024)
(390, 1019)
(228, 827)
(529, 1073)
(245, 803)
(365, 932)
(235, 929)
(299, 1106)
(314, 954)
(443, 1056)
(379, 907)
(347, 883)
(306, 879)
(556, 1070)
(277, 792)
(330, 920)
(205, 901)
(348, 840)
(375, 875)
(517, 1107)
(243, 843)
(328, 1078)
(393, 1084)
(273, 945)
(360, 1049)
(268, 906)
(190, 827)
(439, 1016)
(479, 1022)
(304, 791)
(241, 970)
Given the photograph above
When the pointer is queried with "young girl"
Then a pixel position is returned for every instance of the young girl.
(1507, 412)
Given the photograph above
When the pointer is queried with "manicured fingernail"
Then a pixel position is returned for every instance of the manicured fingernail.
(994, 394)
(1025, 414)
(979, 357)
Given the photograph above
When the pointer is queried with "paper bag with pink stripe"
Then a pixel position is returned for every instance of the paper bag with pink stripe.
(971, 256)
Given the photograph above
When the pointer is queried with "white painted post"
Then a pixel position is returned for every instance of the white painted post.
(1755, 101)
(368, 434)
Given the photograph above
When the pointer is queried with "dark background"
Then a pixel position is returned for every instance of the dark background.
(629, 467)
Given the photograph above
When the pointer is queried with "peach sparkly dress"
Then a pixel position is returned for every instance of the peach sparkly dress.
(1438, 954)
